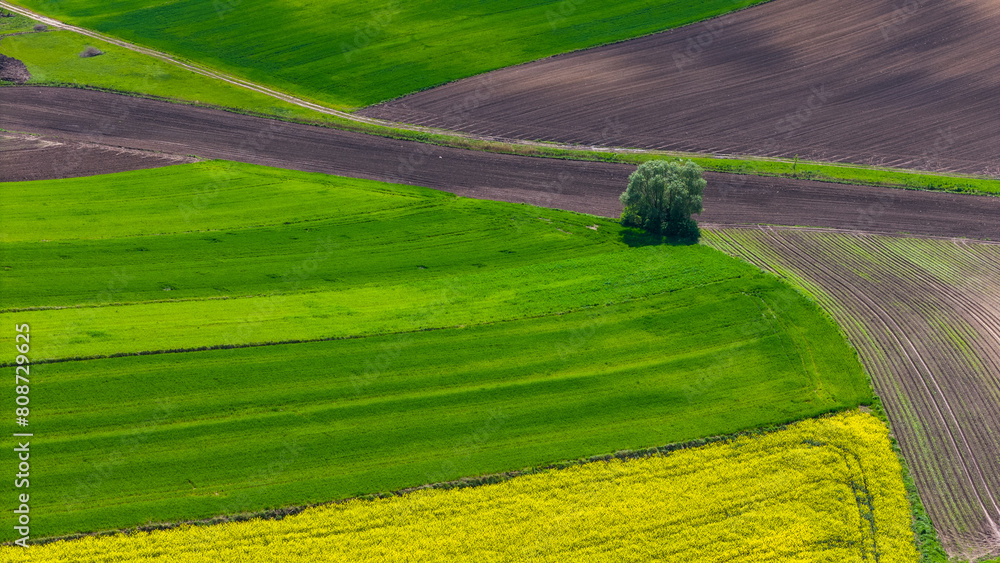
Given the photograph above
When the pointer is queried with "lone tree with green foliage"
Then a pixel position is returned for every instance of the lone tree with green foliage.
(661, 197)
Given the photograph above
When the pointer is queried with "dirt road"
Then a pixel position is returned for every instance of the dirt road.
(913, 84)
(60, 114)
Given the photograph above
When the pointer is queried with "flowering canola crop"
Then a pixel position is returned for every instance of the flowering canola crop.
(827, 489)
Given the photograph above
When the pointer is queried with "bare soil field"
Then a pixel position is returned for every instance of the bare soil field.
(914, 84)
(26, 157)
(924, 315)
(73, 115)
(13, 70)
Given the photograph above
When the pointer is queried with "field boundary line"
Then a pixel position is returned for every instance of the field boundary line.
(885, 316)
(463, 482)
(967, 468)
(354, 336)
(455, 135)
(243, 83)
(833, 230)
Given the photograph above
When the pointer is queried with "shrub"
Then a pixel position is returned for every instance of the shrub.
(91, 52)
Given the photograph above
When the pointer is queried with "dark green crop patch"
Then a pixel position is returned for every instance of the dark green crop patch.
(286, 338)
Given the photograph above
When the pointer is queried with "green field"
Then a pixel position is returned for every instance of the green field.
(821, 490)
(350, 54)
(471, 337)
(16, 24)
(53, 57)
(841, 174)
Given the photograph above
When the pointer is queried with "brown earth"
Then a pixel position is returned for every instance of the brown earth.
(25, 157)
(913, 84)
(924, 316)
(893, 293)
(13, 70)
(61, 114)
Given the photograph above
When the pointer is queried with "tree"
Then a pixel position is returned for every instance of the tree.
(661, 197)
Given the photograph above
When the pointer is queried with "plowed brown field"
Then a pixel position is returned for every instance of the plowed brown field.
(71, 115)
(25, 157)
(924, 315)
(913, 84)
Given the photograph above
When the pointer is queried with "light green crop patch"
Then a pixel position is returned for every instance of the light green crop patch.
(466, 337)
(351, 54)
(53, 57)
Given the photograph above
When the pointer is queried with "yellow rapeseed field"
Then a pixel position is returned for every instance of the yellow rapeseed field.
(826, 489)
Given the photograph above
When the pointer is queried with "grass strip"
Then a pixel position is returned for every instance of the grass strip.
(52, 58)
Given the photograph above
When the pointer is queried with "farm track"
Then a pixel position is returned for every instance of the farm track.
(925, 318)
(198, 69)
(940, 389)
(72, 115)
(853, 81)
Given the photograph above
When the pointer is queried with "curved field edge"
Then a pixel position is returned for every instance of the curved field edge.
(596, 379)
(313, 257)
(246, 429)
(351, 55)
(827, 487)
(748, 74)
(922, 314)
(925, 536)
(850, 174)
(52, 58)
(464, 482)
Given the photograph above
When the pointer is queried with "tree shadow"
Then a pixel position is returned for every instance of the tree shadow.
(636, 238)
